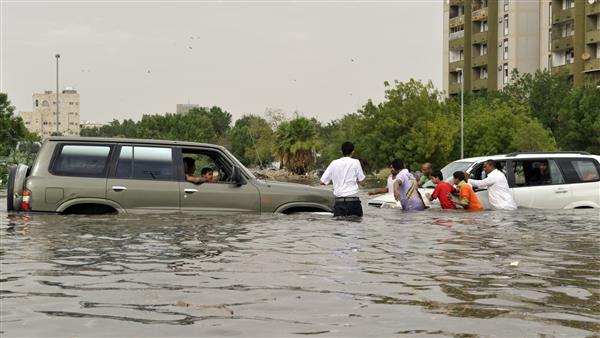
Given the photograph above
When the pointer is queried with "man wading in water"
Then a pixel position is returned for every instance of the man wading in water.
(346, 174)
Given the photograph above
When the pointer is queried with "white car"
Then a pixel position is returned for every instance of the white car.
(543, 180)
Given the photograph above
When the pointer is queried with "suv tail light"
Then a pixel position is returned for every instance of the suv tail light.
(26, 200)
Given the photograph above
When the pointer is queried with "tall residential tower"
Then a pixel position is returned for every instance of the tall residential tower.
(487, 39)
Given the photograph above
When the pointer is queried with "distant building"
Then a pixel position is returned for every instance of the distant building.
(485, 40)
(91, 124)
(42, 120)
(183, 108)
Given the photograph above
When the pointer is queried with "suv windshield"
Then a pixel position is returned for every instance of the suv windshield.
(448, 170)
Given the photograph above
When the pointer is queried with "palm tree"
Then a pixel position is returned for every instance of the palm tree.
(297, 143)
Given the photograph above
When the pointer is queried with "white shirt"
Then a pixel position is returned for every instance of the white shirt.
(345, 173)
(390, 183)
(499, 193)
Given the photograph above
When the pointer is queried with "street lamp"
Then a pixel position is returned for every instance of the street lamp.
(57, 111)
(462, 108)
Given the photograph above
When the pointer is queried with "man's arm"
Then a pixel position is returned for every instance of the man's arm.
(484, 183)
(326, 177)
(362, 179)
(379, 191)
(195, 179)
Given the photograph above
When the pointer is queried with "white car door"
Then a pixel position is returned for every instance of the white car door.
(540, 184)
(583, 174)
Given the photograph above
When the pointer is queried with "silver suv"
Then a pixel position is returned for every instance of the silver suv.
(102, 175)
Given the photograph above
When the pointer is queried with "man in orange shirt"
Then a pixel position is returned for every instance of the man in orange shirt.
(468, 197)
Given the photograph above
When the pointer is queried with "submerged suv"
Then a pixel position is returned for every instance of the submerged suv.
(552, 180)
(102, 175)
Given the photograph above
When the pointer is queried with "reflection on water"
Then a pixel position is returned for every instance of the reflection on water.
(432, 273)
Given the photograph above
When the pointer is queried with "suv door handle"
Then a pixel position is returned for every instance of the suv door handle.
(561, 191)
(118, 188)
(190, 191)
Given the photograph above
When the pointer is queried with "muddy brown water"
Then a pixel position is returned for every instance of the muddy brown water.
(527, 273)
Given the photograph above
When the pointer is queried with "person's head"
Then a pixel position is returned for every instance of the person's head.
(396, 165)
(207, 173)
(426, 168)
(543, 167)
(489, 166)
(458, 177)
(347, 148)
(189, 165)
(436, 177)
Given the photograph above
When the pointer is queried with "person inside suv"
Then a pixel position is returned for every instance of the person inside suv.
(208, 174)
(189, 165)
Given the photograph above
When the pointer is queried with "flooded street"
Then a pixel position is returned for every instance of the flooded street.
(434, 273)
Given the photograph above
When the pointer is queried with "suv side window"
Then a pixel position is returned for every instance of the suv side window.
(536, 172)
(81, 160)
(147, 163)
(478, 173)
(586, 170)
(210, 159)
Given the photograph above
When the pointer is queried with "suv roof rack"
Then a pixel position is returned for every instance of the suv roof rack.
(547, 152)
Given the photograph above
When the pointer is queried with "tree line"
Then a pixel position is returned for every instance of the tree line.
(415, 122)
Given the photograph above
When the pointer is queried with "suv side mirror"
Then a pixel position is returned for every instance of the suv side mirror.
(237, 177)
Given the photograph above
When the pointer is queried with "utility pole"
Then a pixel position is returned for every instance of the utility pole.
(57, 111)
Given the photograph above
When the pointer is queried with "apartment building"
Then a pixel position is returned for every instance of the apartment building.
(575, 39)
(484, 40)
(42, 120)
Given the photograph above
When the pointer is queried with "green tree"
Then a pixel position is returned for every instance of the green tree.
(298, 143)
(252, 140)
(12, 128)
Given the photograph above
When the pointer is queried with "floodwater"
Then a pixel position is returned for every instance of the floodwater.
(527, 273)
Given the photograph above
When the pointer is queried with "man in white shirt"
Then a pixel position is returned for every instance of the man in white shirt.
(346, 174)
(499, 193)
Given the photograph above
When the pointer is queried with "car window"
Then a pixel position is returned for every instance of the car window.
(479, 172)
(207, 160)
(148, 163)
(586, 170)
(82, 160)
(536, 172)
(448, 172)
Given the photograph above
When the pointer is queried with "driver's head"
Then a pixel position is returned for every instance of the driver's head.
(189, 165)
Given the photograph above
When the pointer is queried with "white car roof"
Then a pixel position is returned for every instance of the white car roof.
(529, 155)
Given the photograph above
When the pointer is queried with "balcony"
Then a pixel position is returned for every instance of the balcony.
(567, 68)
(456, 44)
(480, 84)
(452, 66)
(562, 43)
(592, 36)
(456, 2)
(480, 14)
(592, 65)
(591, 9)
(456, 35)
(478, 61)
(563, 15)
(456, 21)
(454, 88)
(479, 37)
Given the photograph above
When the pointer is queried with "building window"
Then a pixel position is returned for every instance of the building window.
(483, 26)
(550, 13)
(506, 5)
(568, 29)
(505, 49)
(550, 39)
(37, 103)
(570, 56)
(598, 51)
(483, 49)
(45, 103)
(505, 21)
(566, 4)
(483, 73)
(505, 74)
(549, 61)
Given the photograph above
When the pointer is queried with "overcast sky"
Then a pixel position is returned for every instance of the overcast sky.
(323, 59)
